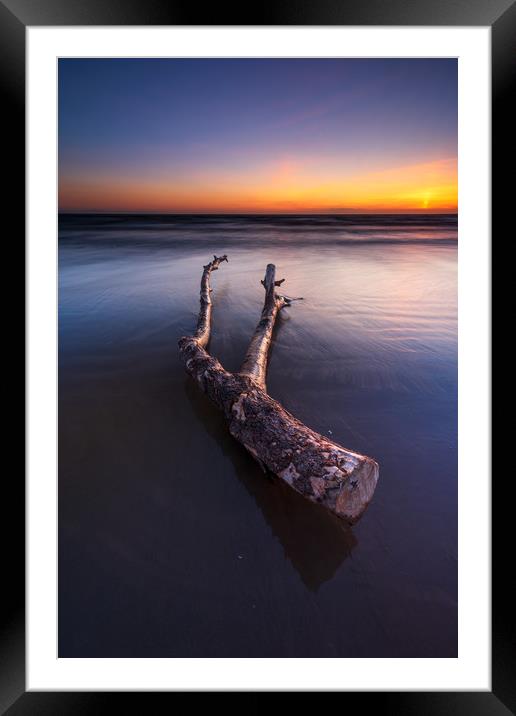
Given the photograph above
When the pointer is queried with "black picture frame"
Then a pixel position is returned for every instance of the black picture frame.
(15, 17)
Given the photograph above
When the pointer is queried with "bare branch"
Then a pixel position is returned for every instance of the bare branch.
(276, 283)
(288, 299)
(202, 333)
(315, 466)
(255, 361)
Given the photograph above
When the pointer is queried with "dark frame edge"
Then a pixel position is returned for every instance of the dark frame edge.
(503, 58)
(12, 623)
(502, 16)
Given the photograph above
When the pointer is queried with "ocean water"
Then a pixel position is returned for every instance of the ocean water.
(172, 541)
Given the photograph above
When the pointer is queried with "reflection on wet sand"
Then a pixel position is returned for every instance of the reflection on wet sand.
(153, 517)
(315, 541)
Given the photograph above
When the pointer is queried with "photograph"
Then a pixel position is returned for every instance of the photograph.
(257, 441)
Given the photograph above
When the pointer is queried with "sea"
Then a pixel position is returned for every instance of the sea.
(172, 540)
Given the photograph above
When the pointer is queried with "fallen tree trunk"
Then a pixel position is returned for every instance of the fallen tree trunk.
(318, 468)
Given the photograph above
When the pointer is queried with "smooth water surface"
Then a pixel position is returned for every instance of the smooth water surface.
(172, 541)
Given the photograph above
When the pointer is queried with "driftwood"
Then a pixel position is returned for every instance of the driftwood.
(318, 468)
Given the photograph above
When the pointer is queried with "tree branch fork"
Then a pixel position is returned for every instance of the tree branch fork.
(318, 468)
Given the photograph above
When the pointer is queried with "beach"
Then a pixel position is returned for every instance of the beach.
(172, 541)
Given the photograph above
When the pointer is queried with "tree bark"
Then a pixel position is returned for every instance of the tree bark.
(316, 467)
(255, 362)
(202, 333)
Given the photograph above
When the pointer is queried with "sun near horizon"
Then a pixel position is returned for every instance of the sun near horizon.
(258, 136)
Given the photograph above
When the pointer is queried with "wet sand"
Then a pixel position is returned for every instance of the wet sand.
(172, 541)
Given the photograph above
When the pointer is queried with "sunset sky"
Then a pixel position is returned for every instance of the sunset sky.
(237, 135)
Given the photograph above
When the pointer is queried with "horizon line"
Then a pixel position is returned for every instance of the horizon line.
(258, 213)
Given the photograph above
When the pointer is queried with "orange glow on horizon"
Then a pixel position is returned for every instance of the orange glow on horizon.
(288, 185)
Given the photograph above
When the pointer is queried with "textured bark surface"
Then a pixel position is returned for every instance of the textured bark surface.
(255, 362)
(318, 468)
(202, 333)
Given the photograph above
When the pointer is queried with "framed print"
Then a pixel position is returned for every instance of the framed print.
(258, 354)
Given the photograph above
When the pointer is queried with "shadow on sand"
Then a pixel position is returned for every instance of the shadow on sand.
(315, 541)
